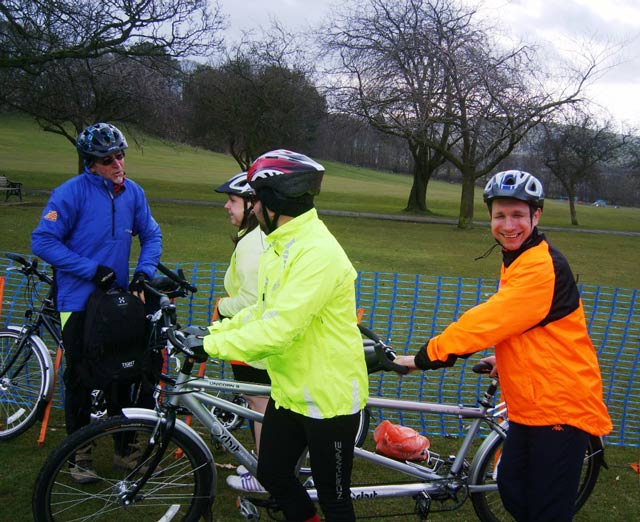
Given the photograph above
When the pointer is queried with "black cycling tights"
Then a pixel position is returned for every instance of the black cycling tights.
(285, 436)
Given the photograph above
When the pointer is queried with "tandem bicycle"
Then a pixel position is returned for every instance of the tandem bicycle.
(174, 475)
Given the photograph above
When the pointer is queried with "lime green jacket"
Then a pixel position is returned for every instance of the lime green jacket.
(304, 324)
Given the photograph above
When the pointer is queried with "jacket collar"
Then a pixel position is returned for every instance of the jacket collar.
(99, 181)
(291, 227)
(534, 239)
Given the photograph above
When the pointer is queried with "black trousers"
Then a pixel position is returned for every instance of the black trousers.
(539, 471)
(77, 395)
(285, 436)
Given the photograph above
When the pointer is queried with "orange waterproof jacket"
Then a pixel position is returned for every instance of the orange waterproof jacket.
(549, 371)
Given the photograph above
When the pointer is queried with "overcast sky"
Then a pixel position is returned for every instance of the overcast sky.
(560, 21)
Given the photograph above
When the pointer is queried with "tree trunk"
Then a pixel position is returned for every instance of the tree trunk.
(465, 219)
(571, 194)
(572, 207)
(417, 201)
(426, 161)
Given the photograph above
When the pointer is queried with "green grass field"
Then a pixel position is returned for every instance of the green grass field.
(201, 232)
(615, 498)
(174, 176)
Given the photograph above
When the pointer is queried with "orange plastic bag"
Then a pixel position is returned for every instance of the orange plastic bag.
(400, 442)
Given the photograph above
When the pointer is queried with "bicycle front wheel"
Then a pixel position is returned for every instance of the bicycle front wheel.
(25, 371)
(484, 472)
(89, 475)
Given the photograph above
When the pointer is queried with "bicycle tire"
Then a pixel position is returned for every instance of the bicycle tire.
(363, 426)
(180, 489)
(488, 504)
(23, 387)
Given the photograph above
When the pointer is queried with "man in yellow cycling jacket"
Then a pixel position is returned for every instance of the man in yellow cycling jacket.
(304, 327)
(549, 372)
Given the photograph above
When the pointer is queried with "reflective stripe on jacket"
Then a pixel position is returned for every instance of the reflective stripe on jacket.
(549, 372)
(304, 324)
(85, 224)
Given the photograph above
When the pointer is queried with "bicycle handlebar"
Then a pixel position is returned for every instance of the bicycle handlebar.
(178, 278)
(383, 355)
(29, 268)
(482, 367)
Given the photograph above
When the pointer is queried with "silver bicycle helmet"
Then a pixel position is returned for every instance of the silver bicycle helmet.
(100, 140)
(515, 184)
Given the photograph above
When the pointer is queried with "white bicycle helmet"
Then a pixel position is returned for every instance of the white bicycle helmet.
(515, 184)
(238, 185)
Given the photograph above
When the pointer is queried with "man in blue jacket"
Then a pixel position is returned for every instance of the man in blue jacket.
(85, 234)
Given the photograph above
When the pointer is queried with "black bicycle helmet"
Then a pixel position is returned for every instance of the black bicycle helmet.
(288, 173)
(100, 140)
(238, 185)
(515, 184)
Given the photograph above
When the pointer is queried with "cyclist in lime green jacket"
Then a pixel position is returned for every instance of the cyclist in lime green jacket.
(304, 327)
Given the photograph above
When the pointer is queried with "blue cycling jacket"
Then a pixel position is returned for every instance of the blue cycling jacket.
(86, 224)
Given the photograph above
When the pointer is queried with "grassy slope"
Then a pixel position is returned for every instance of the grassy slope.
(201, 233)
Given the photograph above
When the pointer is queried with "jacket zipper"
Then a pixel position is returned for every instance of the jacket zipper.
(113, 210)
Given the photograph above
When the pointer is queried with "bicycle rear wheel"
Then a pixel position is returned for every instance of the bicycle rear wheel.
(363, 426)
(484, 472)
(25, 372)
(180, 488)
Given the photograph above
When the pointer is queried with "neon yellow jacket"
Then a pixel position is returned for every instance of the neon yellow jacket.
(304, 324)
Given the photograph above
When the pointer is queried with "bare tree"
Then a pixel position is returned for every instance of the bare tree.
(72, 94)
(36, 32)
(86, 61)
(349, 140)
(391, 54)
(259, 99)
(576, 147)
(427, 71)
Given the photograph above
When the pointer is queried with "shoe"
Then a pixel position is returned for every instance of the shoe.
(83, 473)
(241, 470)
(82, 470)
(246, 482)
(126, 462)
(131, 462)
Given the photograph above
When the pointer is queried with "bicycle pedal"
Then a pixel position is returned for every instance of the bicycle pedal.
(248, 510)
(267, 503)
(423, 505)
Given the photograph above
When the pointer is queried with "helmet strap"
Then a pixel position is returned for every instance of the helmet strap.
(271, 223)
(245, 214)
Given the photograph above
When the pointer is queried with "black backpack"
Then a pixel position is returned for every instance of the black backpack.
(115, 338)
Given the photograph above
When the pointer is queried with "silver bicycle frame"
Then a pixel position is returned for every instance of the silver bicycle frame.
(197, 395)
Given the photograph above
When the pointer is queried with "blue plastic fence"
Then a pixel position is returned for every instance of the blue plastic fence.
(406, 310)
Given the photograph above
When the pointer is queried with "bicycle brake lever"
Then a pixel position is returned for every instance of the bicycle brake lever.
(383, 352)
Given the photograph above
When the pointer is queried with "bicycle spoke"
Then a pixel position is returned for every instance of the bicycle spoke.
(178, 487)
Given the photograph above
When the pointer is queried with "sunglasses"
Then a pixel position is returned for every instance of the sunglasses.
(110, 159)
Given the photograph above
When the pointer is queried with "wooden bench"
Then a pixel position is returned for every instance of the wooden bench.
(10, 188)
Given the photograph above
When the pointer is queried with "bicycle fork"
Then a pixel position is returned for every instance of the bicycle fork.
(150, 459)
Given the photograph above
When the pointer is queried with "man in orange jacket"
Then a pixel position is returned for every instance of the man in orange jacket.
(549, 371)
